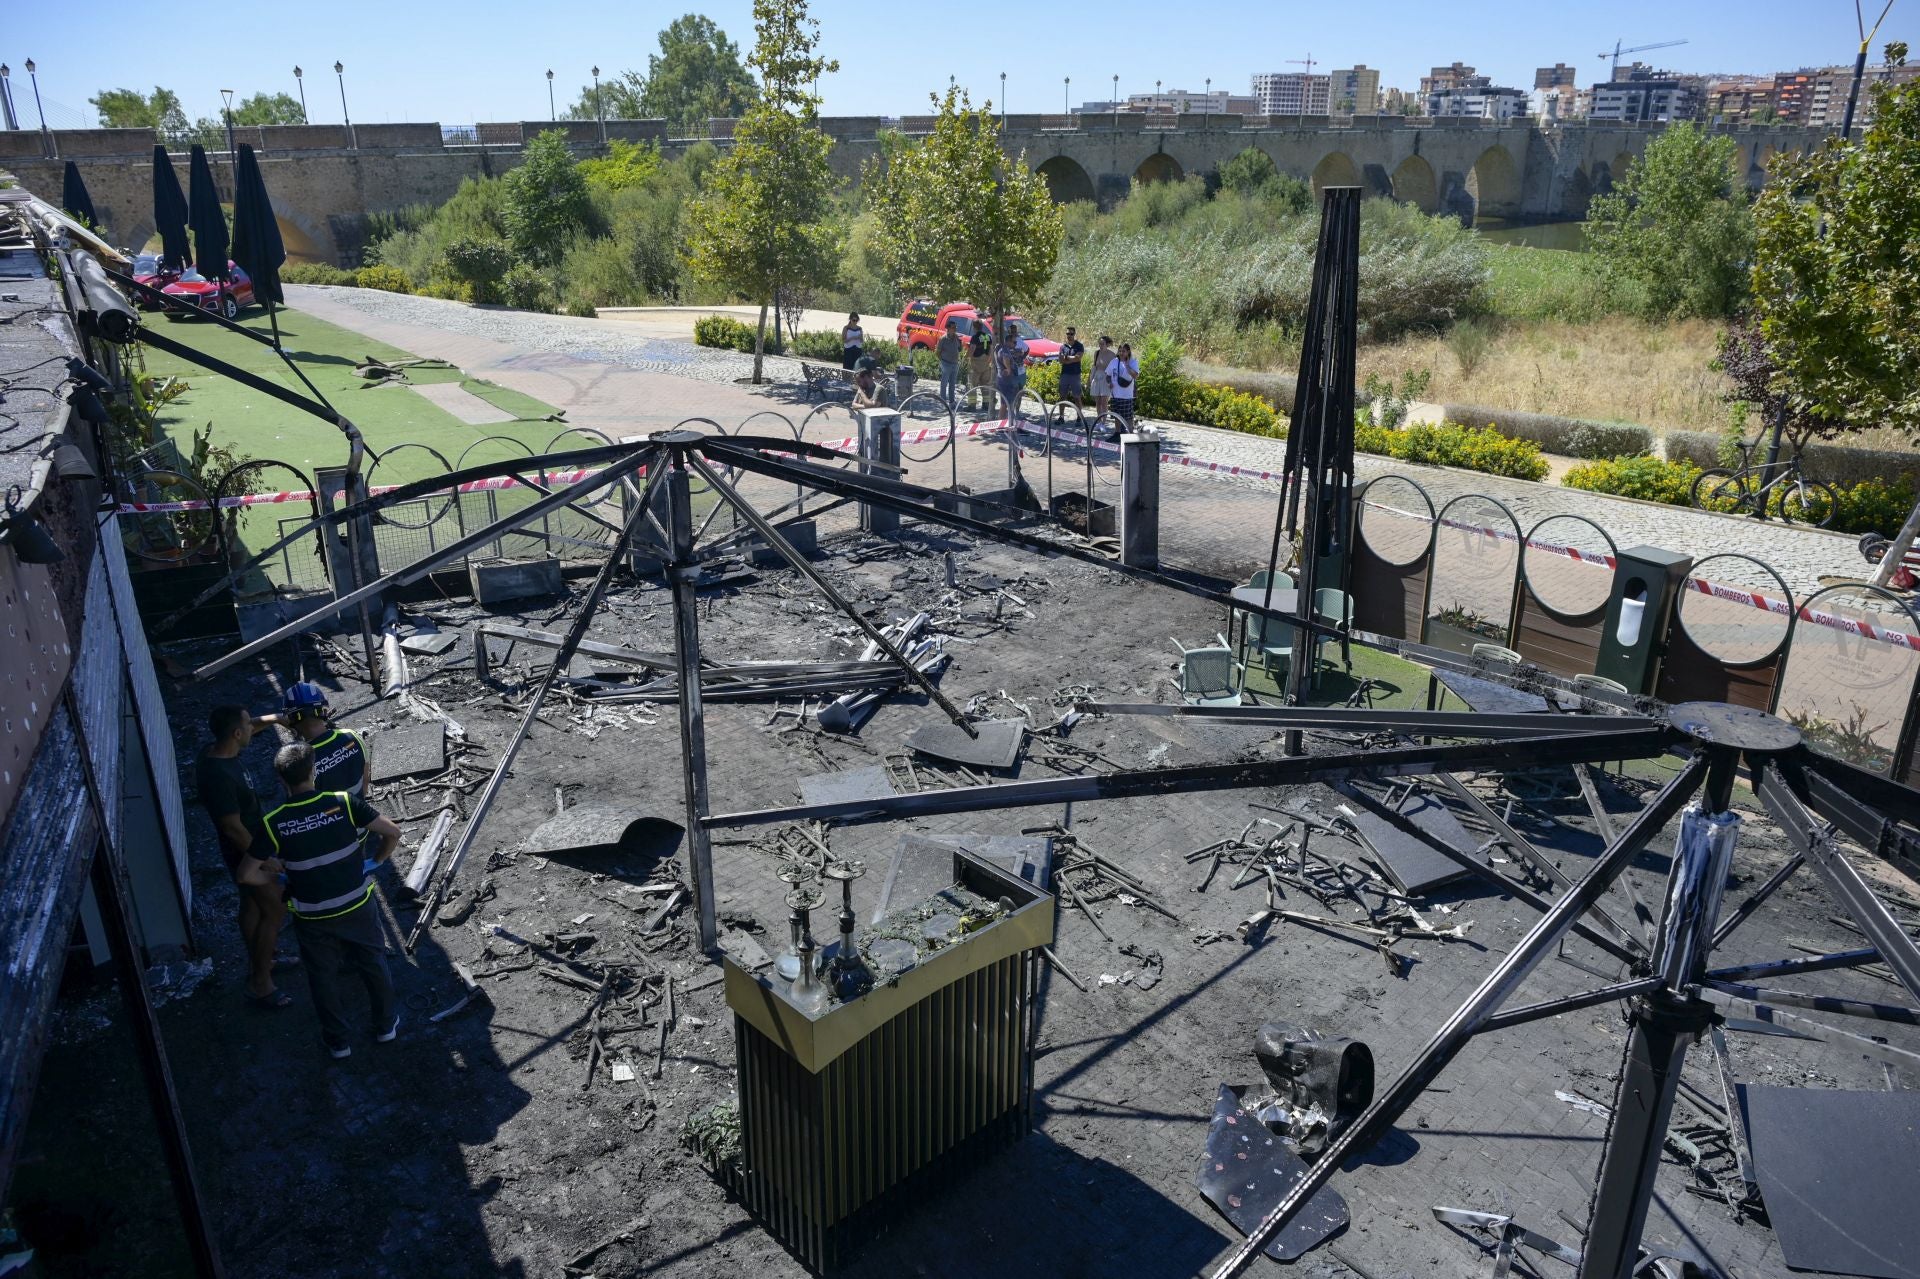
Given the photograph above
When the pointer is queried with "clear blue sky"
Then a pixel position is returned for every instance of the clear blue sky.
(421, 60)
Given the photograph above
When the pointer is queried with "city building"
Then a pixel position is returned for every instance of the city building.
(1480, 102)
(1557, 76)
(1399, 102)
(1554, 103)
(1355, 90)
(1744, 99)
(1292, 93)
(1642, 101)
(1827, 99)
(1183, 102)
(1457, 76)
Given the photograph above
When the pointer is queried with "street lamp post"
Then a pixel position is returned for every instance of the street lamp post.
(552, 112)
(1066, 97)
(1003, 98)
(6, 97)
(340, 72)
(226, 111)
(599, 116)
(47, 143)
(301, 81)
(1115, 104)
(1208, 109)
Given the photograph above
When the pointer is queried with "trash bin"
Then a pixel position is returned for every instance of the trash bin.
(903, 383)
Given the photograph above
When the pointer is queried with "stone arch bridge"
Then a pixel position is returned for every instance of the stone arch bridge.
(326, 182)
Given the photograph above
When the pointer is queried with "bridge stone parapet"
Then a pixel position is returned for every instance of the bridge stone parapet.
(325, 182)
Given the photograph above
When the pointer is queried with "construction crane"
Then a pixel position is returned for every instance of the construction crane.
(1614, 73)
(1306, 62)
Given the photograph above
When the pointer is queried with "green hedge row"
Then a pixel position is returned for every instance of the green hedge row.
(1473, 448)
(385, 278)
(1870, 506)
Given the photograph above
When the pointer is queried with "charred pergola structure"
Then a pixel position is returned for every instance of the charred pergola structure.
(1672, 991)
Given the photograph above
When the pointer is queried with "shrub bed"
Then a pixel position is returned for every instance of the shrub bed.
(1473, 448)
(1566, 436)
(1871, 506)
(385, 278)
(314, 273)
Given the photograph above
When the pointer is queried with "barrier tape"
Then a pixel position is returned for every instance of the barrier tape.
(1719, 590)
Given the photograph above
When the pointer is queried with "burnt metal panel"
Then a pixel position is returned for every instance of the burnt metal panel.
(149, 709)
(1836, 1168)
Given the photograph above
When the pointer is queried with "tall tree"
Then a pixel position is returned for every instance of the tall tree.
(620, 99)
(1675, 234)
(958, 220)
(1836, 278)
(132, 109)
(269, 108)
(696, 76)
(763, 222)
(546, 200)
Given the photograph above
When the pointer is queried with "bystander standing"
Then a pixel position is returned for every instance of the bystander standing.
(1102, 383)
(980, 366)
(227, 793)
(1071, 352)
(853, 343)
(948, 350)
(1125, 375)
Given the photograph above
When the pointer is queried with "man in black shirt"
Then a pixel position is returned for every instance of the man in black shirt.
(316, 838)
(227, 794)
(1071, 352)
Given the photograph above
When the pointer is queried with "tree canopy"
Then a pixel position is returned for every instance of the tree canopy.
(131, 109)
(696, 75)
(546, 200)
(1836, 279)
(1675, 234)
(269, 108)
(763, 221)
(959, 221)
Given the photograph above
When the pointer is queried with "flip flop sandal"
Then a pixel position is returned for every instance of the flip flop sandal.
(271, 1002)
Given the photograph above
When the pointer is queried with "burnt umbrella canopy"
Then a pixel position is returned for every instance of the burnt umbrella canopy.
(204, 215)
(74, 198)
(256, 235)
(169, 212)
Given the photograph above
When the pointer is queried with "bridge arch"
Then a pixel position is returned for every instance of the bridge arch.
(1621, 163)
(1494, 184)
(1336, 169)
(1414, 183)
(1577, 194)
(1067, 180)
(303, 241)
(1158, 167)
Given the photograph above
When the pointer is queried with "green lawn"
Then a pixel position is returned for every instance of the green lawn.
(256, 426)
(1542, 284)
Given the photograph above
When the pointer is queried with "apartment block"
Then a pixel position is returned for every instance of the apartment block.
(1293, 93)
(1355, 90)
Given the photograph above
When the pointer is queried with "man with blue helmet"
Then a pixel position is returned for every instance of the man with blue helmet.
(341, 759)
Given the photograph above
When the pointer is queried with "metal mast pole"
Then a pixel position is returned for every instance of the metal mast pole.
(682, 571)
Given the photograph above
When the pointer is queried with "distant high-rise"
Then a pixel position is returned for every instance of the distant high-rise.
(1457, 76)
(1355, 90)
(1292, 93)
(1557, 76)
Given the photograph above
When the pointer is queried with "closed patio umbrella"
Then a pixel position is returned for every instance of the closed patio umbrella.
(204, 215)
(256, 235)
(74, 198)
(169, 212)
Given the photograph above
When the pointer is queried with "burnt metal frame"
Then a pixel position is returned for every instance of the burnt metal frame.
(1671, 996)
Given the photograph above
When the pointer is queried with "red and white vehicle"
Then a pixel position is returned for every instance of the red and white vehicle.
(922, 323)
(148, 271)
(223, 297)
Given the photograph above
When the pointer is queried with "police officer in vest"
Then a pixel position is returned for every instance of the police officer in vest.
(315, 840)
(341, 758)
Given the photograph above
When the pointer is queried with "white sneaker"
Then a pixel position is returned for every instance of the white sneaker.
(341, 1053)
(392, 1033)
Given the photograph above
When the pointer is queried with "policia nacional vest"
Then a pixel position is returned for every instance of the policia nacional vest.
(340, 762)
(317, 838)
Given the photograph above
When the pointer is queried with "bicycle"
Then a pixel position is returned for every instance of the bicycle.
(1754, 487)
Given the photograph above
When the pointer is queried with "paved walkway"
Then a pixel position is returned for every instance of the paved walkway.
(618, 379)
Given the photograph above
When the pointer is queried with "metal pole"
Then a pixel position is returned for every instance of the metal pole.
(553, 112)
(47, 143)
(340, 73)
(1460, 1028)
(1662, 1023)
(109, 891)
(7, 118)
(301, 81)
(682, 571)
(561, 659)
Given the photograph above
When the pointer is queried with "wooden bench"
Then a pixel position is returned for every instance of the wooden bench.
(823, 380)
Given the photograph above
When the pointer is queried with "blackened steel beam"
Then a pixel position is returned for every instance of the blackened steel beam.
(1523, 848)
(1397, 762)
(1630, 957)
(1863, 1044)
(1900, 1013)
(1894, 801)
(1788, 967)
(1859, 816)
(1896, 948)
(681, 571)
(1357, 720)
(785, 550)
(1459, 1029)
(1569, 1004)
(428, 562)
(1745, 909)
(575, 633)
